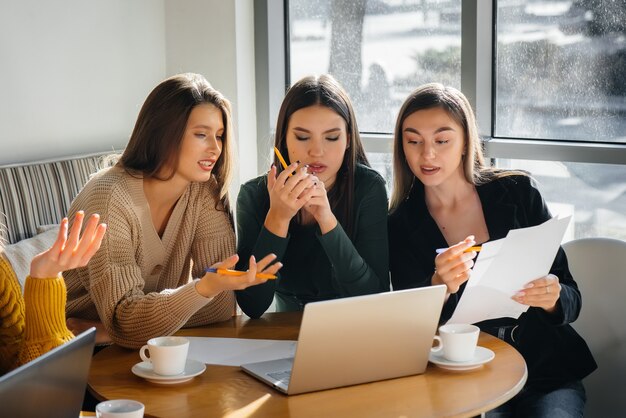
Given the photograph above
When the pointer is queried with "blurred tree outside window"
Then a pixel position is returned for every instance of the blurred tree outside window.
(379, 50)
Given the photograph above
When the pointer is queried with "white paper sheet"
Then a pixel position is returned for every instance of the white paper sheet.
(502, 269)
(238, 351)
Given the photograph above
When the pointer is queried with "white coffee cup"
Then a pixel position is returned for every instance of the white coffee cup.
(168, 355)
(458, 341)
(120, 408)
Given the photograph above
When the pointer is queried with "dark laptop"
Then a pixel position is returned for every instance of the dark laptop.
(52, 385)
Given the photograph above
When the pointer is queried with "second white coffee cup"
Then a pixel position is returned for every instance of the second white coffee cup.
(168, 355)
(458, 341)
(120, 408)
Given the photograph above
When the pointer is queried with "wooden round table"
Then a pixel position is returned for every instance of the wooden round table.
(229, 392)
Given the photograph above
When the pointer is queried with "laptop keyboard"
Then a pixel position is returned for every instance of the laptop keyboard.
(282, 377)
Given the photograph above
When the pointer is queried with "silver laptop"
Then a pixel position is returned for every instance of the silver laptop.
(52, 385)
(356, 340)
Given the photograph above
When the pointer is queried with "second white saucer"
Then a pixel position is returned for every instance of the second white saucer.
(481, 356)
(192, 369)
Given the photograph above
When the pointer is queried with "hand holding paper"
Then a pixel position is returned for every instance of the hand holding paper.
(504, 267)
(541, 293)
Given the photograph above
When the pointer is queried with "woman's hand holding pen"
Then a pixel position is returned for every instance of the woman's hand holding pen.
(541, 293)
(452, 267)
(288, 194)
(213, 283)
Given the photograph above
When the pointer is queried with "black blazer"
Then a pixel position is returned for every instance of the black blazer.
(553, 351)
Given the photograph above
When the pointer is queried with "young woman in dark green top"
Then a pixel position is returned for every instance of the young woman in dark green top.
(325, 216)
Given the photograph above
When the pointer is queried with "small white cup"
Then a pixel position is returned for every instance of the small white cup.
(120, 408)
(167, 354)
(458, 341)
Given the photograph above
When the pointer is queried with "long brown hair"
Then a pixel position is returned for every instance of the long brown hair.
(457, 106)
(325, 91)
(157, 138)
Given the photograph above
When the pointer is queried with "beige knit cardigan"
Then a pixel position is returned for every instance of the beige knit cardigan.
(141, 285)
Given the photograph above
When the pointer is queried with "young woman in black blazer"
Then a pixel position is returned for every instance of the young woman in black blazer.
(445, 196)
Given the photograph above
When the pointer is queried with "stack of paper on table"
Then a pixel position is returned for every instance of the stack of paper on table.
(504, 267)
(238, 351)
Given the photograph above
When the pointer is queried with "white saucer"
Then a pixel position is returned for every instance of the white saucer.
(192, 369)
(481, 356)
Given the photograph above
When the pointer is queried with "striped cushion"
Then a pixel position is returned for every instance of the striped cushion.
(41, 193)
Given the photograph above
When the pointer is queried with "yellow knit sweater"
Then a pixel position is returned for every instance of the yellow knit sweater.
(31, 325)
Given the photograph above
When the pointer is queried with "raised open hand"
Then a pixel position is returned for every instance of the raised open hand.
(69, 252)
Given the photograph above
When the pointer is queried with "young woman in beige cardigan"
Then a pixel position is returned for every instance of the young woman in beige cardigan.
(168, 216)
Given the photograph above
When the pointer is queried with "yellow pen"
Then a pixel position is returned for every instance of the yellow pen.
(228, 272)
(281, 159)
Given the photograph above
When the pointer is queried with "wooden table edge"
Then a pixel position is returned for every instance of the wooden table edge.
(470, 412)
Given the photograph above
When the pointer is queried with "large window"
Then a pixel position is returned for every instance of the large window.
(379, 50)
(560, 75)
(546, 78)
(561, 70)
(594, 194)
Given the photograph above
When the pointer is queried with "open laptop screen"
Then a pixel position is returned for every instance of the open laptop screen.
(52, 385)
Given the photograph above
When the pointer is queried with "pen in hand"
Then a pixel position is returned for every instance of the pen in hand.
(467, 250)
(281, 159)
(228, 272)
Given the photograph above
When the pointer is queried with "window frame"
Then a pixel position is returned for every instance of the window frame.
(478, 31)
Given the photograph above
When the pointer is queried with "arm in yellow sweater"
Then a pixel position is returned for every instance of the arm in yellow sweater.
(12, 312)
(45, 317)
(33, 324)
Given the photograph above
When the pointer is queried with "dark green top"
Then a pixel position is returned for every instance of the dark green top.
(315, 266)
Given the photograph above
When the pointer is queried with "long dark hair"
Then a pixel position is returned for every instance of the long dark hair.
(325, 91)
(156, 141)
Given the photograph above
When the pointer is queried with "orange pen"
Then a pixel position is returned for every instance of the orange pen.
(281, 159)
(228, 272)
